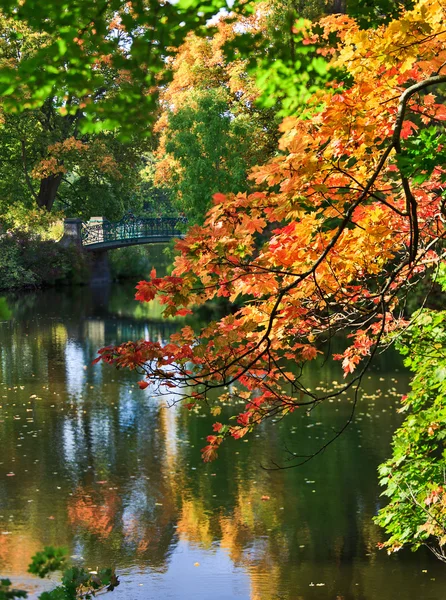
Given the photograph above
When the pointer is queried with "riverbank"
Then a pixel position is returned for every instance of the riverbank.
(29, 262)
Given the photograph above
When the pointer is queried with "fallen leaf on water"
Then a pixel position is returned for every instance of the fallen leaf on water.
(197, 564)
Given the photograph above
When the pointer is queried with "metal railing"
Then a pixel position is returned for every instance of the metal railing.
(131, 228)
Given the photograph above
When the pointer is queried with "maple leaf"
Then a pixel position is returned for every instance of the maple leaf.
(146, 291)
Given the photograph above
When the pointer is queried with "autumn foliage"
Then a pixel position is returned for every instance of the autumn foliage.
(345, 219)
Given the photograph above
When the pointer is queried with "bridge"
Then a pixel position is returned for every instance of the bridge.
(98, 235)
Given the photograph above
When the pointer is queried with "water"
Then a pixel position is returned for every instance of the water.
(91, 462)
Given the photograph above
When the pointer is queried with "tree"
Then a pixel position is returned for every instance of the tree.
(65, 76)
(131, 39)
(357, 204)
(100, 67)
(211, 132)
(45, 158)
(220, 113)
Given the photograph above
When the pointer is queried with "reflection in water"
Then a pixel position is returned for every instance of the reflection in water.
(90, 461)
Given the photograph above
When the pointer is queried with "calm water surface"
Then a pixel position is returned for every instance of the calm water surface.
(91, 462)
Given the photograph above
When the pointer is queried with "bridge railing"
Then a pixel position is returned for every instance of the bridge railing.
(131, 228)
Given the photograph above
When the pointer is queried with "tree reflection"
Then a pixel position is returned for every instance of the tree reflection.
(102, 468)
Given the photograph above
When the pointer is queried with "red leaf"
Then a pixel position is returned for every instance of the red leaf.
(219, 197)
(183, 312)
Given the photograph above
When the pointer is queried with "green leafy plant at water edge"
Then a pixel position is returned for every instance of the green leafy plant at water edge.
(28, 261)
(48, 560)
(77, 582)
(415, 477)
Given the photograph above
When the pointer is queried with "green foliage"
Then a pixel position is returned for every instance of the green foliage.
(287, 81)
(421, 154)
(58, 593)
(371, 13)
(50, 559)
(213, 147)
(77, 582)
(91, 188)
(9, 593)
(415, 477)
(28, 261)
(36, 221)
(135, 42)
(98, 174)
(131, 262)
(155, 200)
(137, 261)
(5, 312)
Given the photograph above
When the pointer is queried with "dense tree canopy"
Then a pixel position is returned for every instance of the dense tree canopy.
(66, 75)
(131, 39)
(73, 83)
(45, 159)
(211, 131)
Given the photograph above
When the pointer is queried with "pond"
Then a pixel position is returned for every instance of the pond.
(91, 462)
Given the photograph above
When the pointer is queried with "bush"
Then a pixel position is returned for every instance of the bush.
(35, 221)
(414, 477)
(26, 260)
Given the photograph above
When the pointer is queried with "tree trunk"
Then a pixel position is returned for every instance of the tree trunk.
(48, 191)
(339, 6)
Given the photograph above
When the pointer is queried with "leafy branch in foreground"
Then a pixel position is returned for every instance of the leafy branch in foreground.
(85, 43)
(415, 477)
(337, 234)
(77, 582)
(9, 593)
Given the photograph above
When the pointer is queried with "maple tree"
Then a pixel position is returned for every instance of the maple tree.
(229, 90)
(346, 218)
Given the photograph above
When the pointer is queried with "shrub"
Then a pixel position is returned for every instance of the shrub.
(26, 260)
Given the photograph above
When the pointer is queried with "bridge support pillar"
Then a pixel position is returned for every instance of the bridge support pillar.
(100, 268)
(72, 233)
